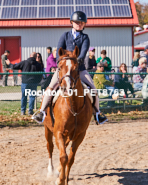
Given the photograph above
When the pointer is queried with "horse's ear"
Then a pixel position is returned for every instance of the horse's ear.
(76, 51)
(61, 51)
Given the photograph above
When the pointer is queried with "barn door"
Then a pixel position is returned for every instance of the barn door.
(13, 45)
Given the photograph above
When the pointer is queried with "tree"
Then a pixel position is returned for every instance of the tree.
(142, 13)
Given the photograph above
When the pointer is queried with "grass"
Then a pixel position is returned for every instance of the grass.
(134, 102)
(10, 114)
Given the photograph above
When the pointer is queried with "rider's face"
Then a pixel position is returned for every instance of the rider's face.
(78, 25)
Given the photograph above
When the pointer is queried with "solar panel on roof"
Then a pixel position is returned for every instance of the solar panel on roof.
(9, 12)
(101, 1)
(65, 11)
(27, 9)
(29, 2)
(28, 12)
(82, 1)
(65, 2)
(10, 2)
(102, 11)
(46, 2)
(119, 1)
(85, 9)
(121, 11)
(46, 12)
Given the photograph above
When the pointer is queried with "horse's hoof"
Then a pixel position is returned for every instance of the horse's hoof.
(59, 183)
(49, 175)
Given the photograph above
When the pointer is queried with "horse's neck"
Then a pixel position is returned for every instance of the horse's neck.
(78, 94)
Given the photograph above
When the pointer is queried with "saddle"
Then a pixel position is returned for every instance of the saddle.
(55, 98)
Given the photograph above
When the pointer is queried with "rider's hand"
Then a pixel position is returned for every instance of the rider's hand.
(80, 61)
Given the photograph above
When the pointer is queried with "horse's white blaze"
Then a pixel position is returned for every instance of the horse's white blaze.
(67, 79)
(50, 168)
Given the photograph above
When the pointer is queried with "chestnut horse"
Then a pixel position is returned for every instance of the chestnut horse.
(72, 115)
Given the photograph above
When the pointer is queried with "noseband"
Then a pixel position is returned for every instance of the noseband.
(74, 80)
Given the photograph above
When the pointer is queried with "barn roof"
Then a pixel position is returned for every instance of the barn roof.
(141, 45)
(56, 13)
(140, 32)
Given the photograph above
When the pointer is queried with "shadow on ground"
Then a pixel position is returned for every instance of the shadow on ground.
(127, 176)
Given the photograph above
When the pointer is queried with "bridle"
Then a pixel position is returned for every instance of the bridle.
(75, 114)
(74, 80)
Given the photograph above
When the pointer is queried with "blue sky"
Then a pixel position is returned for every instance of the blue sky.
(142, 1)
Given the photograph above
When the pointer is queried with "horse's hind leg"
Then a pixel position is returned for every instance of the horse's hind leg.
(60, 140)
(49, 135)
(73, 149)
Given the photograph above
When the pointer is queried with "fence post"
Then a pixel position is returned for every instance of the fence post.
(124, 104)
(35, 102)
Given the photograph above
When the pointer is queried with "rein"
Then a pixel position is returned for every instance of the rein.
(75, 114)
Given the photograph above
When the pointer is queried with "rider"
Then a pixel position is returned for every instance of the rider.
(68, 41)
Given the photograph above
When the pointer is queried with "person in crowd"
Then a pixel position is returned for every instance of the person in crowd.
(106, 61)
(39, 60)
(145, 53)
(121, 81)
(29, 82)
(51, 61)
(47, 81)
(101, 82)
(145, 89)
(90, 61)
(49, 50)
(135, 62)
(68, 41)
(5, 67)
(138, 78)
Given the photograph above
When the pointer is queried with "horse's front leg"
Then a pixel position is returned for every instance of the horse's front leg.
(73, 149)
(49, 135)
(60, 140)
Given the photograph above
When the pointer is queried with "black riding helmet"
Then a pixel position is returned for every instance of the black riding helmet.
(78, 16)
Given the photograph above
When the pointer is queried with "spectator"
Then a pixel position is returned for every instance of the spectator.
(138, 79)
(106, 60)
(49, 50)
(39, 60)
(145, 88)
(90, 61)
(121, 81)
(100, 82)
(5, 67)
(29, 82)
(51, 61)
(47, 81)
(135, 62)
(145, 54)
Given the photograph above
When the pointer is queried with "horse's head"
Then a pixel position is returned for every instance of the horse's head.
(68, 69)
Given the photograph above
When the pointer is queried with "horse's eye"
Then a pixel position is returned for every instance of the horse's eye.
(59, 68)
